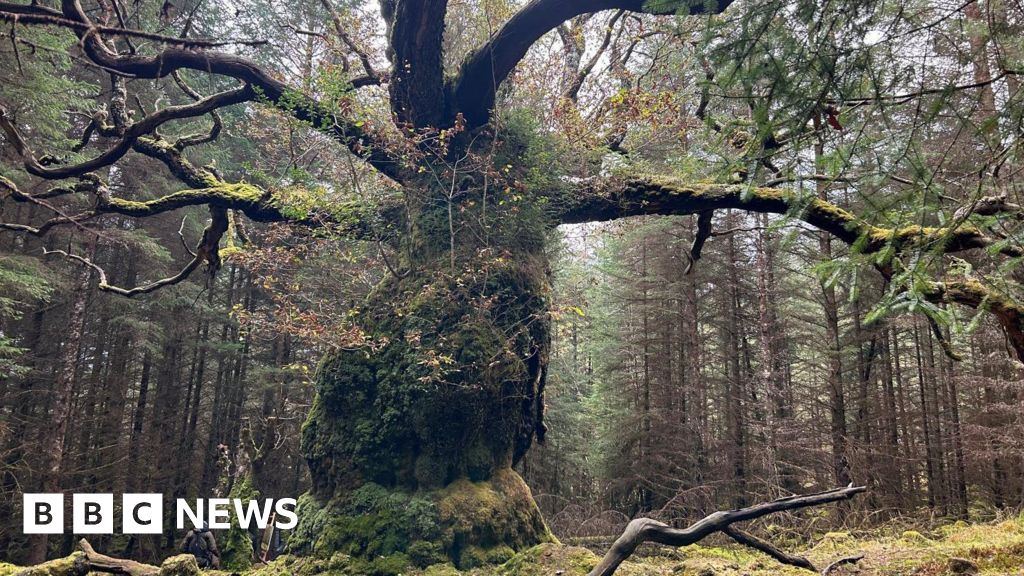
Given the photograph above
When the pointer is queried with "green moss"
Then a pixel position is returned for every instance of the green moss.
(180, 565)
(466, 523)
(424, 553)
(336, 565)
(914, 538)
(236, 550)
(370, 522)
(390, 565)
(547, 559)
(733, 554)
(58, 567)
(441, 570)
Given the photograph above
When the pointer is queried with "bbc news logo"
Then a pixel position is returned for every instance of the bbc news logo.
(144, 513)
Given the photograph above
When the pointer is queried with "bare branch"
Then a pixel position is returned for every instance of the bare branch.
(700, 237)
(131, 133)
(473, 90)
(8, 15)
(206, 251)
(643, 530)
(768, 548)
(197, 139)
(572, 91)
(339, 29)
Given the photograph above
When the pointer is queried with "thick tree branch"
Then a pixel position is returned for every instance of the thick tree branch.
(417, 82)
(970, 292)
(643, 530)
(473, 91)
(175, 57)
(765, 547)
(609, 200)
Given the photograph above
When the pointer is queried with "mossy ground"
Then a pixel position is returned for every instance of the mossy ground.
(467, 523)
(995, 548)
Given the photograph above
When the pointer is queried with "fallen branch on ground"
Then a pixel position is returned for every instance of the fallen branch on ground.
(643, 530)
(87, 560)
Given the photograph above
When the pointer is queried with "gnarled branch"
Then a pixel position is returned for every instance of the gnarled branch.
(131, 133)
(643, 530)
(473, 90)
(189, 54)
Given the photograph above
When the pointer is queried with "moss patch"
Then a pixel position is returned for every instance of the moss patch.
(468, 524)
(547, 559)
(58, 567)
(236, 550)
(180, 565)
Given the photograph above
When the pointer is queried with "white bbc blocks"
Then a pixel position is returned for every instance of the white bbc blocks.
(92, 514)
(43, 514)
(142, 514)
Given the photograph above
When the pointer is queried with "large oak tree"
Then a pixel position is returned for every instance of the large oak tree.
(418, 424)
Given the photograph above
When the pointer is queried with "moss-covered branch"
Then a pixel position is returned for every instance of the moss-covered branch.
(86, 561)
(970, 292)
(612, 199)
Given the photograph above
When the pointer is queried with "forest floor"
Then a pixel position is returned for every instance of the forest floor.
(989, 549)
(986, 549)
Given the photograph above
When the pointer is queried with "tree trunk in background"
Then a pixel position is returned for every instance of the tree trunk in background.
(692, 362)
(772, 376)
(135, 481)
(646, 503)
(927, 416)
(892, 474)
(834, 350)
(734, 388)
(53, 436)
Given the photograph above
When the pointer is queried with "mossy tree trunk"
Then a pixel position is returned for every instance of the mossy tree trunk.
(414, 433)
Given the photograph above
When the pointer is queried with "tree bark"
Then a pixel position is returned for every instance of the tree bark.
(53, 435)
